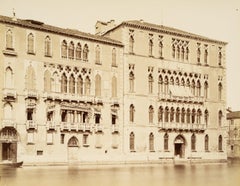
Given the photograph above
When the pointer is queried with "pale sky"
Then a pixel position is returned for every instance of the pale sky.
(217, 19)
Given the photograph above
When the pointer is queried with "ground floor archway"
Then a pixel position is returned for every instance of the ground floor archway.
(179, 147)
(73, 149)
(8, 144)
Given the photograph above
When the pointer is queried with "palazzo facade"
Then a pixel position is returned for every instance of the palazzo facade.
(174, 92)
(131, 92)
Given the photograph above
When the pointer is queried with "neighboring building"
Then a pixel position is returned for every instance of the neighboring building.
(174, 92)
(61, 97)
(233, 144)
(133, 92)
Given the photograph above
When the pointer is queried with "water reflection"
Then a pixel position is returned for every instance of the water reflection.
(137, 175)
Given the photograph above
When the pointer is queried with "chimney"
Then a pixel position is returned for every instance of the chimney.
(14, 15)
(102, 27)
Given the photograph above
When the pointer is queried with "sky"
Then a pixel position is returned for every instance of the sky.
(217, 19)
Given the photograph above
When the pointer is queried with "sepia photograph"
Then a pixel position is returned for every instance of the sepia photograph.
(119, 93)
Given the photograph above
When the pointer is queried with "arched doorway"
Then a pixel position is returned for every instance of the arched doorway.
(179, 147)
(8, 144)
(73, 146)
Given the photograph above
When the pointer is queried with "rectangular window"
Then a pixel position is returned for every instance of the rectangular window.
(62, 138)
(85, 140)
(97, 118)
(49, 138)
(114, 118)
(39, 152)
(30, 138)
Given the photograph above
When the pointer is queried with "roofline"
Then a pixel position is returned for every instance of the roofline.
(164, 31)
(60, 31)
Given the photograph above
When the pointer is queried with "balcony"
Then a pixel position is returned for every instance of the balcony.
(8, 123)
(51, 125)
(31, 124)
(9, 94)
(31, 94)
(181, 126)
(181, 99)
(115, 128)
(98, 128)
(70, 126)
(68, 96)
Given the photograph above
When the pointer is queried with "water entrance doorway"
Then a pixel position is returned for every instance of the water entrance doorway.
(8, 144)
(179, 147)
(73, 148)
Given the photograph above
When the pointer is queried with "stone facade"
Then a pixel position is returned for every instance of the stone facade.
(233, 144)
(174, 83)
(132, 92)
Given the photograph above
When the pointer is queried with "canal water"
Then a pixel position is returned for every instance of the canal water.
(123, 175)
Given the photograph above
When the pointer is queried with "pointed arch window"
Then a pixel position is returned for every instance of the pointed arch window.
(131, 44)
(131, 82)
(188, 115)
(206, 89)
(9, 78)
(173, 51)
(80, 85)
(172, 114)
(166, 142)
(78, 52)
(150, 83)
(72, 84)
(166, 114)
(182, 53)
(55, 82)
(30, 44)
(220, 88)
(71, 50)
(151, 142)
(64, 49)
(48, 46)
(160, 114)
(85, 52)
(206, 56)
(151, 113)
(161, 49)
(198, 55)
(193, 142)
(183, 113)
(220, 56)
(193, 115)
(160, 84)
(97, 56)
(30, 78)
(220, 142)
(193, 87)
(132, 142)
(187, 53)
(178, 115)
(166, 85)
(206, 143)
(199, 115)
(178, 52)
(131, 113)
(220, 115)
(7, 111)
(47, 81)
(206, 115)
(64, 83)
(114, 86)
(198, 88)
(114, 57)
(97, 85)
(9, 40)
(150, 47)
(87, 86)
